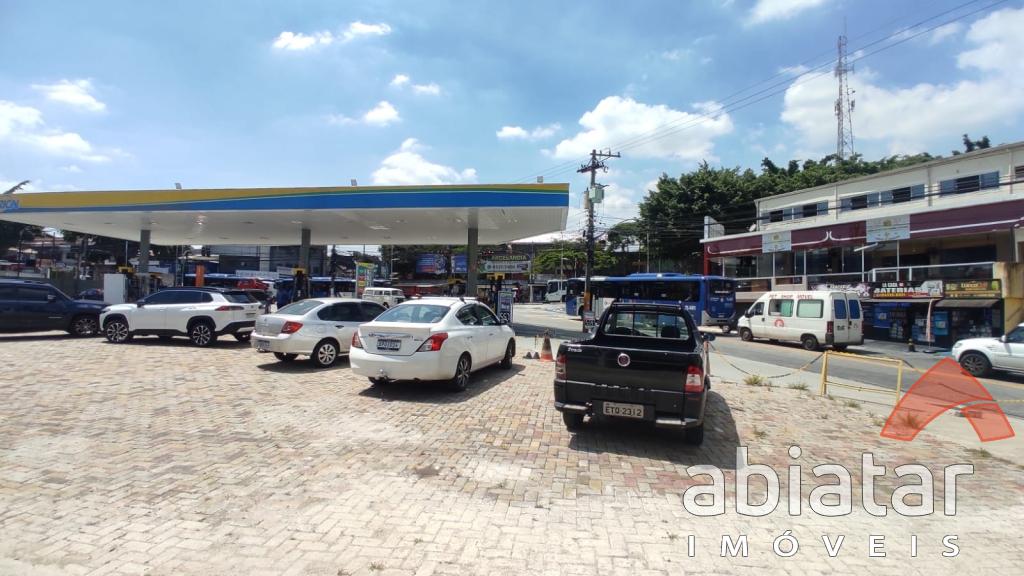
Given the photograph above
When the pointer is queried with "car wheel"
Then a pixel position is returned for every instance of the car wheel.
(976, 364)
(746, 335)
(82, 326)
(726, 329)
(117, 331)
(694, 436)
(243, 336)
(325, 354)
(572, 420)
(809, 342)
(462, 371)
(201, 334)
(510, 353)
(285, 357)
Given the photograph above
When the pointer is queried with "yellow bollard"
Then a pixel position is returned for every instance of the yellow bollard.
(824, 374)
(899, 381)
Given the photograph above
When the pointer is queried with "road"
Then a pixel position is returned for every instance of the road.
(530, 320)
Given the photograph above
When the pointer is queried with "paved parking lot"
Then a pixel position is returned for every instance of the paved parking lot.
(159, 458)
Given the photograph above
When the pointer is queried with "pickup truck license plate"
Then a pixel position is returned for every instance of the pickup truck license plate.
(623, 410)
(262, 346)
(389, 345)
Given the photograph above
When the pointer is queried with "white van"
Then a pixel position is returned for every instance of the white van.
(813, 318)
(386, 297)
(556, 291)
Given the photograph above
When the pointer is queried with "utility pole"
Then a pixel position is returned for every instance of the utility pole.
(596, 163)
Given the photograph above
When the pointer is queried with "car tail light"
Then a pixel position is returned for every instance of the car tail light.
(830, 327)
(227, 308)
(694, 380)
(356, 342)
(291, 327)
(433, 344)
(560, 366)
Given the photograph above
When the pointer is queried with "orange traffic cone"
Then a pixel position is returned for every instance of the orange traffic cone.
(545, 350)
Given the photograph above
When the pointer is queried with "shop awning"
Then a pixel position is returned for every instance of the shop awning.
(966, 303)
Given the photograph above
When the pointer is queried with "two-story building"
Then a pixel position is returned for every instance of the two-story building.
(939, 240)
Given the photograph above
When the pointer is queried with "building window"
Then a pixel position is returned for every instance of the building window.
(968, 184)
(816, 209)
(796, 212)
(885, 197)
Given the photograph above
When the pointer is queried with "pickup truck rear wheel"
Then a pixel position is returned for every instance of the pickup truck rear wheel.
(573, 421)
(694, 436)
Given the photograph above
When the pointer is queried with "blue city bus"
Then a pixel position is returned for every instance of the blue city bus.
(710, 300)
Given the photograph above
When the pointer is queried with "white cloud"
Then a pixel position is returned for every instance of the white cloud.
(359, 29)
(339, 120)
(616, 119)
(519, 133)
(907, 119)
(768, 10)
(73, 92)
(299, 41)
(400, 80)
(944, 32)
(677, 54)
(382, 114)
(72, 168)
(407, 166)
(431, 89)
(15, 118)
(23, 125)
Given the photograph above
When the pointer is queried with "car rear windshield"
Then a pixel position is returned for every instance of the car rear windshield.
(300, 308)
(240, 297)
(414, 313)
(647, 325)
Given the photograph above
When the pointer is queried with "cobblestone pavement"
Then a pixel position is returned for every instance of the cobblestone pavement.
(159, 458)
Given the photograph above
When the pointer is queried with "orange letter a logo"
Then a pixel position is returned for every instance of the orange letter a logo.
(942, 387)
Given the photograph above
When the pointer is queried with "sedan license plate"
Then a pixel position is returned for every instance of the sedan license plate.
(623, 410)
(389, 345)
(262, 346)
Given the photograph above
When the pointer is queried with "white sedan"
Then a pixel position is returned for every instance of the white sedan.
(320, 328)
(432, 339)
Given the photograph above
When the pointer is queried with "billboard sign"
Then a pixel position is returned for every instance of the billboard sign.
(888, 228)
(974, 289)
(911, 290)
(364, 276)
(459, 264)
(431, 264)
(507, 263)
(776, 242)
(506, 300)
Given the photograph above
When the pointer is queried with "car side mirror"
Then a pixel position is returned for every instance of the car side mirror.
(140, 303)
(1002, 338)
(748, 314)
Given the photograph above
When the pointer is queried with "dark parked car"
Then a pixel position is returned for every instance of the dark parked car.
(33, 306)
(91, 294)
(645, 362)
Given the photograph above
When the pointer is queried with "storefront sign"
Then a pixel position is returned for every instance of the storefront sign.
(926, 289)
(776, 242)
(459, 264)
(974, 289)
(888, 228)
(863, 289)
(509, 263)
(266, 275)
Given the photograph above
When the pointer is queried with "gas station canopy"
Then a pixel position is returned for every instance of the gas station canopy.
(279, 216)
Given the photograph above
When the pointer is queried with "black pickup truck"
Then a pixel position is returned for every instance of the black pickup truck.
(645, 362)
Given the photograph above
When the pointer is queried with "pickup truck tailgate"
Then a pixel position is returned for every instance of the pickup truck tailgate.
(626, 367)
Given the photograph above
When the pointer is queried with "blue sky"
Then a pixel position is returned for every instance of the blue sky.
(122, 95)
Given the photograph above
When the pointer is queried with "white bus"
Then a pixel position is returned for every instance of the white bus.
(556, 291)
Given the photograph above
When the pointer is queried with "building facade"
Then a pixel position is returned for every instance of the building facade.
(934, 249)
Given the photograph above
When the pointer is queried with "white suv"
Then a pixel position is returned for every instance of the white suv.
(201, 314)
(980, 355)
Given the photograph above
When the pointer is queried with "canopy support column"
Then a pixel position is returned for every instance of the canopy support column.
(304, 251)
(143, 252)
(472, 248)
